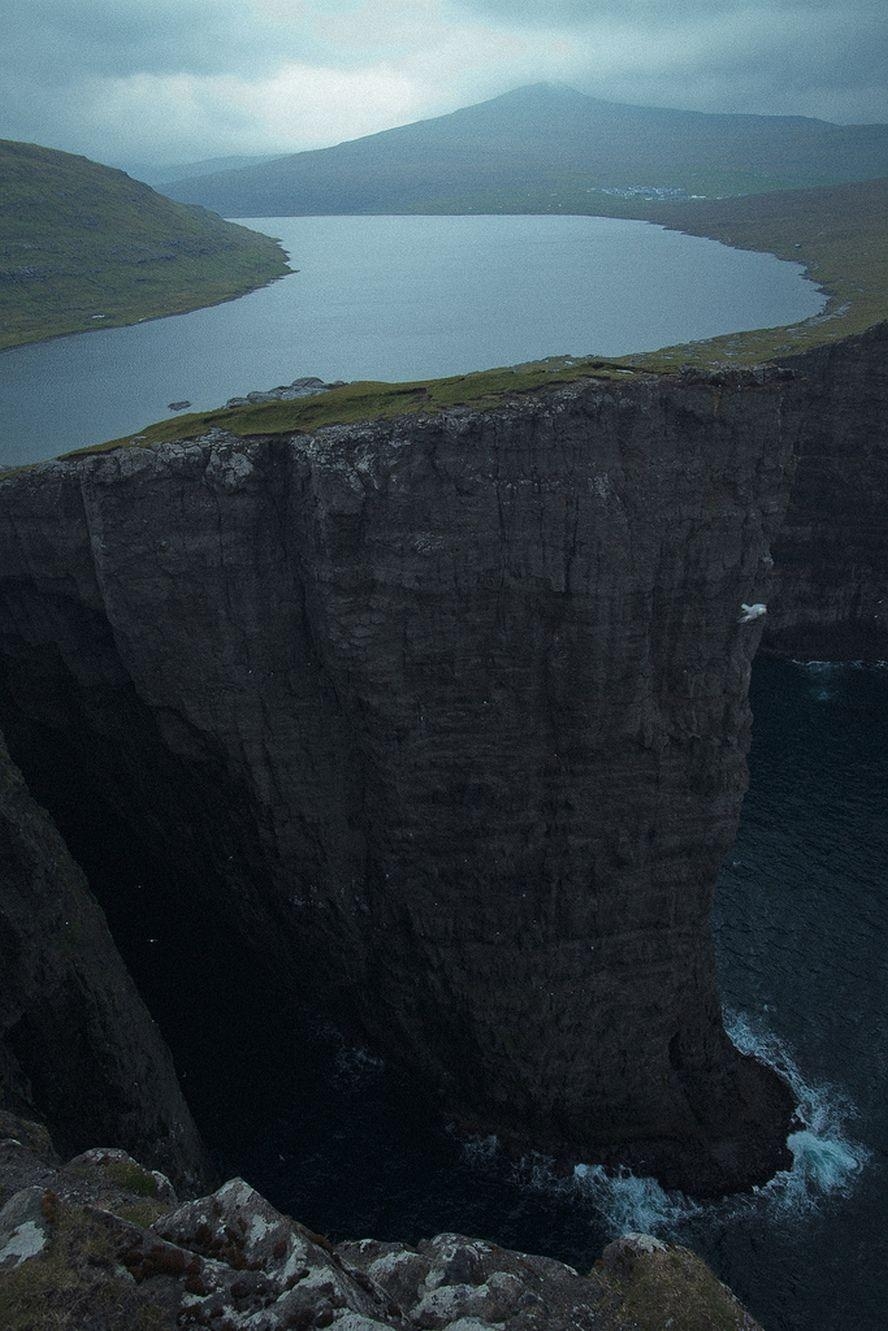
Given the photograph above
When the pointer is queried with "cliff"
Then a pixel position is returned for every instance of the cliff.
(445, 720)
(442, 720)
(830, 598)
(77, 1045)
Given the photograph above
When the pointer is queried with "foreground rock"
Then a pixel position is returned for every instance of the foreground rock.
(101, 1244)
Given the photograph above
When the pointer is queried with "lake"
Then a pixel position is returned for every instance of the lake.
(399, 298)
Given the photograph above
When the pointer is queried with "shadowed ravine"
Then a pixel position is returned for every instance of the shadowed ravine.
(442, 723)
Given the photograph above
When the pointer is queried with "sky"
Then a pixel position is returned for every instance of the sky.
(167, 81)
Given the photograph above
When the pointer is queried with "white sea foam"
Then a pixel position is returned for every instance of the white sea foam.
(622, 1202)
(825, 1160)
(630, 1203)
(823, 677)
(817, 667)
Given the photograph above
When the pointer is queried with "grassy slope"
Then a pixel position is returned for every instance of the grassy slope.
(840, 234)
(78, 240)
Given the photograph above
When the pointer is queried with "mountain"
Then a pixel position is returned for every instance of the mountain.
(547, 148)
(158, 177)
(84, 246)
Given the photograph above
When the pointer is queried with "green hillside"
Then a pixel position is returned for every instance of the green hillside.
(84, 246)
(840, 236)
(548, 149)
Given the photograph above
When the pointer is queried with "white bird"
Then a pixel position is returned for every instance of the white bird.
(751, 612)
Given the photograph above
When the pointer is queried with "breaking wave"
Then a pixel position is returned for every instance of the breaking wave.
(825, 1158)
(825, 1161)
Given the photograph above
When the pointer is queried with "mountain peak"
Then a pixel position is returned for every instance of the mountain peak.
(542, 92)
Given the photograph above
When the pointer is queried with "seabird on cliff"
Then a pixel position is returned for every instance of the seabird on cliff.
(751, 612)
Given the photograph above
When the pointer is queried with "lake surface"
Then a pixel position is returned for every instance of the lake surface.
(398, 298)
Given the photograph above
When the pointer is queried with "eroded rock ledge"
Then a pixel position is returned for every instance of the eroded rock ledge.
(103, 1243)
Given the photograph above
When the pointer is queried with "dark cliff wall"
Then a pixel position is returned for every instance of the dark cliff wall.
(830, 597)
(77, 1044)
(446, 718)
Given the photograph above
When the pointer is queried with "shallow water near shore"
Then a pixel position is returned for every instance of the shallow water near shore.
(398, 298)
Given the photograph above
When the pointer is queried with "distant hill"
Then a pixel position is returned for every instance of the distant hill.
(84, 246)
(548, 148)
(158, 177)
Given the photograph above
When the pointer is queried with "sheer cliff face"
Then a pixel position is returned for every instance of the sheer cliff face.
(830, 597)
(446, 718)
(76, 1042)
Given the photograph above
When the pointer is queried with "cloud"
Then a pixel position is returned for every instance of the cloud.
(813, 57)
(169, 80)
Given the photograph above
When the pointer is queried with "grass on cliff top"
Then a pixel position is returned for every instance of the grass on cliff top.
(369, 401)
(83, 246)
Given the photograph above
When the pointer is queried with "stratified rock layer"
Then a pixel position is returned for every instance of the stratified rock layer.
(830, 599)
(77, 1044)
(448, 718)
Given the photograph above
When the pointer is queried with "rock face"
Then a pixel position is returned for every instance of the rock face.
(830, 600)
(77, 1044)
(101, 1243)
(446, 719)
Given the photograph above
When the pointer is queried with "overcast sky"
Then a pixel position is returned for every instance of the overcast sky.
(163, 81)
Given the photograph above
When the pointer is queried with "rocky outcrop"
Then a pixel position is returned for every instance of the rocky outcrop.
(77, 1045)
(830, 599)
(102, 1243)
(445, 720)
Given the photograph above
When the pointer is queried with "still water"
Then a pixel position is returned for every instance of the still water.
(398, 298)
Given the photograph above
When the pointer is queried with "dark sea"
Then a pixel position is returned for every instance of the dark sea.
(334, 1137)
(398, 298)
